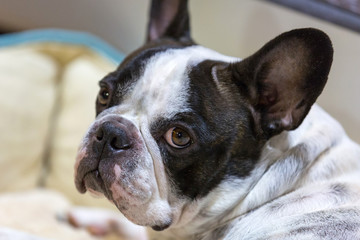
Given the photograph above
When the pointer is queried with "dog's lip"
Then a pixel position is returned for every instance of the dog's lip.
(80, 181)
(80, 185)
(93, 182)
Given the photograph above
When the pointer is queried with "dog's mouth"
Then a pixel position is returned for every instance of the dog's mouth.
(132, 198)
(132, 192)
(126, 177)
(118, 186)
(94, 183)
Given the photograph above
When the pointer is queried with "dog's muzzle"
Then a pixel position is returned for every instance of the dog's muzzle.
(112, 160)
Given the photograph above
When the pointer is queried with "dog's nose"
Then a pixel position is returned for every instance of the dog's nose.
(110, 138)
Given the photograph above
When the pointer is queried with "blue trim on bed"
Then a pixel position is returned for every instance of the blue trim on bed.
(63, 36)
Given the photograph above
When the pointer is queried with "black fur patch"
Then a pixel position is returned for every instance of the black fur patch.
(224, 143)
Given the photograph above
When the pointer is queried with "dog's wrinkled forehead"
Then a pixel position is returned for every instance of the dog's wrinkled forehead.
(162, 88)
(156, 82)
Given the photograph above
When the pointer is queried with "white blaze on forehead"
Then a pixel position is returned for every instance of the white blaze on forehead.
(163, 89)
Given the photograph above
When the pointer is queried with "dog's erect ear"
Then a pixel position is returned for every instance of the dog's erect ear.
(284, 78)
(169, 19)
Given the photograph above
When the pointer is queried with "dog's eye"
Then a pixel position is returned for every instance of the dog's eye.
(104, 95)
(177, 138)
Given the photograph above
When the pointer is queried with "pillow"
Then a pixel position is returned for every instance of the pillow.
(79, 86)
(39, 215)
(49, 81)
(27, 97)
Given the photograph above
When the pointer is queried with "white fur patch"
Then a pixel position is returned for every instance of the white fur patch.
(163, 89)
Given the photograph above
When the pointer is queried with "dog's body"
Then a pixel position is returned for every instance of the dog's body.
(299, 190)
(211, 147)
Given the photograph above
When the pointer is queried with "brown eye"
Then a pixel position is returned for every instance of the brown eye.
(104, 96)
(177, 137)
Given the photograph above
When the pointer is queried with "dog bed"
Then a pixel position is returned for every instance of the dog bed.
(48, 84)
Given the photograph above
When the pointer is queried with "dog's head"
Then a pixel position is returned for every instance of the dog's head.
(175, 119)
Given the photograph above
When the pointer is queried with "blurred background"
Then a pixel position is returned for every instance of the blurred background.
(232, 27)
(48, 87)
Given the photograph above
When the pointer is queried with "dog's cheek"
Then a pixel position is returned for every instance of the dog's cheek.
(134, 192)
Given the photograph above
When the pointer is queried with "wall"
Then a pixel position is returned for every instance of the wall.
(232, 27)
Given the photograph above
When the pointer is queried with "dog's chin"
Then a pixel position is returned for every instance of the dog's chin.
(142, 209)
(147, 217)
(154, 213)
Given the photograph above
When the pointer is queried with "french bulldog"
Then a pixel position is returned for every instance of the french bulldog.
(198, 145)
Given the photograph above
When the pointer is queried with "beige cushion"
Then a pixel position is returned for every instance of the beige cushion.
(27, 94)
(79, 84)
(39, 212)
(47, 102)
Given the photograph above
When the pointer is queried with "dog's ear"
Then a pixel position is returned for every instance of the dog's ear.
(169, 19)
(284, 78)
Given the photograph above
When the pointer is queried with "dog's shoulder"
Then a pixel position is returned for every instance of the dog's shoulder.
(340, 223)
(327, 210)
(308, 187)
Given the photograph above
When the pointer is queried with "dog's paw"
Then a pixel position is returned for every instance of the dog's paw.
(101, 222)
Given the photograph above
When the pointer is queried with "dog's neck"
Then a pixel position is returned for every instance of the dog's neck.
(291, 153)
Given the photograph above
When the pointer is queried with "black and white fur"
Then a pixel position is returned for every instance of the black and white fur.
(262, 162)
